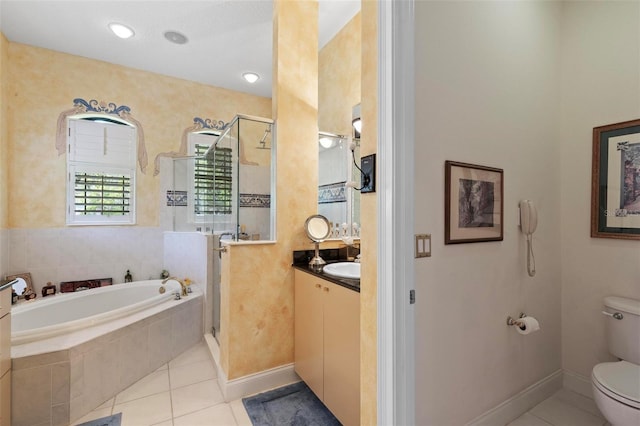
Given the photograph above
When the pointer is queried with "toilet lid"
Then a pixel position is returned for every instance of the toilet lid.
(621, 378)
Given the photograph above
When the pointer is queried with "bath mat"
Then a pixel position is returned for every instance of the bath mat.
(105, 421)
(291, 405)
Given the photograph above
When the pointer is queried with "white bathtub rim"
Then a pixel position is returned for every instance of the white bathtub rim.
(41, 301)
(27, 336)
(73, 339)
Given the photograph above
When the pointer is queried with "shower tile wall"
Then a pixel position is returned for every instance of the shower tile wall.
(65, 254)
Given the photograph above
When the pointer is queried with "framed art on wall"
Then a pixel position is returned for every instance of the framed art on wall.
(615, 181)
(473, 203)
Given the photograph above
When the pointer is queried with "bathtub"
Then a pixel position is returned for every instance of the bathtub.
(66, 312)
(77, 350)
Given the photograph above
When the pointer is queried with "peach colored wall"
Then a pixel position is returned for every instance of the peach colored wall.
(43, 83)
(339, 79)
(369, 219)
(257, 321)
(4, 131)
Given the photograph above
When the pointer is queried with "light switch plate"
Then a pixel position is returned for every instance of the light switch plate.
(423, 245)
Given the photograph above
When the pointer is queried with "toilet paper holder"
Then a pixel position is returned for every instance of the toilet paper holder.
(516, 322)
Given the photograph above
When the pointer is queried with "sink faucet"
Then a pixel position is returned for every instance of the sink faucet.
(184, 291)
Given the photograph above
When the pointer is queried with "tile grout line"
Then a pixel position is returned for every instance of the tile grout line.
(540, 418)
(170, 392)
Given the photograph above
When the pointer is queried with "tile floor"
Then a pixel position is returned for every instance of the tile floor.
(564, 408)
(183, 392)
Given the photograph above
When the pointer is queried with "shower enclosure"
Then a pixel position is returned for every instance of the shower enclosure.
(225, 187)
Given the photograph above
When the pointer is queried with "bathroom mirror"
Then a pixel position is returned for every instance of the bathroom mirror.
(23, 284)
(338, 203)
(317, 227)
(339, 89)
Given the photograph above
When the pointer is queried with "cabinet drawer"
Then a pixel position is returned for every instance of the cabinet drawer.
(5, 301)
(5, 343)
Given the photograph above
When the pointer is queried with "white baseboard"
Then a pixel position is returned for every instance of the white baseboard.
(253, 383)
(577, 383)
(520, 403)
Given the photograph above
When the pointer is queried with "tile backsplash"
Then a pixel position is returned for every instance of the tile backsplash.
(77, 253)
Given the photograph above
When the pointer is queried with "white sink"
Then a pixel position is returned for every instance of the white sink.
(343, 270)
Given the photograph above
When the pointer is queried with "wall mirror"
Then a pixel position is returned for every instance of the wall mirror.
(338, 203)
(339, 90)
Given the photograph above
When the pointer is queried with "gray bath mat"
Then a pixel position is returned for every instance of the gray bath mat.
(291, 405)
(105, 421)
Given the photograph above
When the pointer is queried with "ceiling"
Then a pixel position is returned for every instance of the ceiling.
(226, 37)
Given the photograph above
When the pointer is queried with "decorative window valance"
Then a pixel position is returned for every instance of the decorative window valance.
(80, 106)
(199, 124)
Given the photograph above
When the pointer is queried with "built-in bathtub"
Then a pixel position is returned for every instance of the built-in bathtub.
(72, 352)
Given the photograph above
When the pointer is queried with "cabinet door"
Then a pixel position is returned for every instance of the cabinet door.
(308, 331)
(342, 352)
(5, 399)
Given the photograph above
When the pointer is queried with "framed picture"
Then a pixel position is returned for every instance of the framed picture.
(615, 181)
(473, 203)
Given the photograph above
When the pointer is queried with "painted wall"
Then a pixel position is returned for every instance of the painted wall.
(257, 280)
(486, 93)
(44, 83)
(600, 85)
(369, 219)
(4, 136)
(339, 76)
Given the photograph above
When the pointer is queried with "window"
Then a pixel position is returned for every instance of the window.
(212, 180)
(101, 165)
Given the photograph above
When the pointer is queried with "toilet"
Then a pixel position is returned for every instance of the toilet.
(616, 385)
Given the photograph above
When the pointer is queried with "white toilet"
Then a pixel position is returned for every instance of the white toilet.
(616, 385)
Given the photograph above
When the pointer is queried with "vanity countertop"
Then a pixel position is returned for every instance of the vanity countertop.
(351, 284)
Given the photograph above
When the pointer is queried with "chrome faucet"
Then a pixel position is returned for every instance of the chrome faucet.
(184, 291)
(231, 234)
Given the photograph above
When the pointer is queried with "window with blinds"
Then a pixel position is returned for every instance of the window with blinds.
(102, 194)
(213, 182)
(101, 166)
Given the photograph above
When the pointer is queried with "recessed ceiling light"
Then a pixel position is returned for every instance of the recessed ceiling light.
(176, 37)
(121, 30)
(251, 77)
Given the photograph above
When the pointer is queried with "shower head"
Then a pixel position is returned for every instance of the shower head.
(263, 142)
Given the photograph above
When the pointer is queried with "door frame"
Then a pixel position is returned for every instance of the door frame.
(395, 210)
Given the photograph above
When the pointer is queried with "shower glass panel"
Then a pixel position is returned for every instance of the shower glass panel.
(227, 183)
(248, 190)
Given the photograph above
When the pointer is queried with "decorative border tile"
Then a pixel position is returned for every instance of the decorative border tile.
(255, 200)
(332, 193)
(176, 198)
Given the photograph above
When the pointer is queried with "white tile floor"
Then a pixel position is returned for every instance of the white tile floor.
(564, 408)
(183, 392)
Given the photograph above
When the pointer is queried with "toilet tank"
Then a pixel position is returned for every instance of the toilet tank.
(624, 335)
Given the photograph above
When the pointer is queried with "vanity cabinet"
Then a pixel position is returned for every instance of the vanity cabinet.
(327, 343)
(5, 356)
